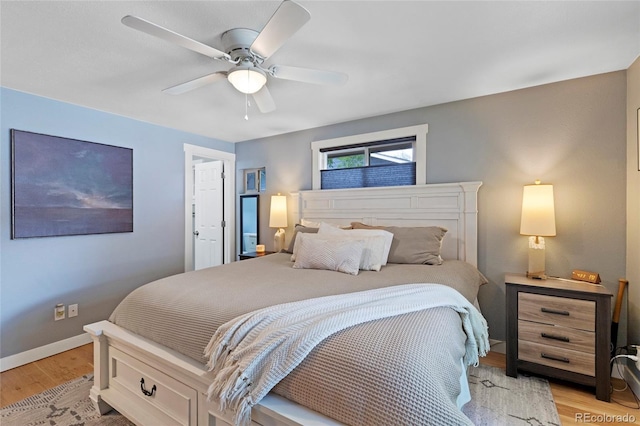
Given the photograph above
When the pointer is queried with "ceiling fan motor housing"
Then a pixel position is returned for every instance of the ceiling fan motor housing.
(237, 44)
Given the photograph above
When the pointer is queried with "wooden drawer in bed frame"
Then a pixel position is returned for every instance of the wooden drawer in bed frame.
(122, 358)
(161, 398)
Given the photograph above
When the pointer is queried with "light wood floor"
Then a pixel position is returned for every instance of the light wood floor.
(30, 379)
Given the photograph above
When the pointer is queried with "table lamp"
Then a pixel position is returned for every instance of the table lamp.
(538, 221)
(278, 219)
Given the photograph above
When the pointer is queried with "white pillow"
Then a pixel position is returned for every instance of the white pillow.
(360, 233)
(373, 247)
(332, 255)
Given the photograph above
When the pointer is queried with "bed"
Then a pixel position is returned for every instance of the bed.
(149, 362)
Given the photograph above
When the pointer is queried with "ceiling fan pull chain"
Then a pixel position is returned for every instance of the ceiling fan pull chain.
(246, 106)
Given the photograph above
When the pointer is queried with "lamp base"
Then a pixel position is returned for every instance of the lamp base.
(278, 240)
(537, 275)
(536, 258)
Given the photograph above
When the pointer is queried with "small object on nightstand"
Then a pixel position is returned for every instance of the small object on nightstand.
(252, 254)
(559, 328)
(590, 277)
(260, 248)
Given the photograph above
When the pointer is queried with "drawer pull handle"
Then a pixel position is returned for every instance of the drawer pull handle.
(554, 337)
(555, 358)
(554, 311)
(146, 392)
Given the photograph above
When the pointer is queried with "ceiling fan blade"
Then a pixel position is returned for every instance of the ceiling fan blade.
(288, 19)
(263, 100)
(196, 83)
(172, 37)
(308, 75)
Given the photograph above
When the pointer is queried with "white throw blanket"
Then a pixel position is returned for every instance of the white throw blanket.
(252, 353)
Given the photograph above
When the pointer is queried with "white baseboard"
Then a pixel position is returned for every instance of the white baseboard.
(45, 351)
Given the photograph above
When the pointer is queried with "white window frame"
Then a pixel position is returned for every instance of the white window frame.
(319, 159)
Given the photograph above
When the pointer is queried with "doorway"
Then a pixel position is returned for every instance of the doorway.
(193, 155)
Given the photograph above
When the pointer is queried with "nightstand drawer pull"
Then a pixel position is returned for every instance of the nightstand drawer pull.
(555, 358)
(554, 311)
(554, 337)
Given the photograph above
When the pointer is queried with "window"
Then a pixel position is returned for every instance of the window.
(345, 160)
(388, 158)
(379, 163)
(373, 154)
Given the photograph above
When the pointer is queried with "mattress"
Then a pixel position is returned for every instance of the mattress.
(402, 370)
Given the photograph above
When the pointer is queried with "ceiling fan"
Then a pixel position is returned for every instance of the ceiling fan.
(247, 50)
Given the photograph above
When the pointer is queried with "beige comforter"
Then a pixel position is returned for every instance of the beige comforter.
(402, 370)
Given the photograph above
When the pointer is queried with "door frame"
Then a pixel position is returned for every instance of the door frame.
(229, 208)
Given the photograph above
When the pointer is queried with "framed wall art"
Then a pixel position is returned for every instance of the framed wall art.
(255, 180)
(63, 186)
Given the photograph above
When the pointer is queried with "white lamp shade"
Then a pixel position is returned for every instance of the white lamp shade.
(247, 79)
(538, 211)
(278, 213)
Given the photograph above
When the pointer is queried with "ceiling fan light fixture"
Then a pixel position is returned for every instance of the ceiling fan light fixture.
(247, 78)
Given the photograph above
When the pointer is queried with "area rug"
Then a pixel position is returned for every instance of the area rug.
(496, 400)
(65, 405)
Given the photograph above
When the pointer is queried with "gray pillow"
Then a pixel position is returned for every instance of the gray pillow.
(412, 244)
(296, 230)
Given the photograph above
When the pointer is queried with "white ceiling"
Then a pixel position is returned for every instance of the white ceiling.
(399, 55)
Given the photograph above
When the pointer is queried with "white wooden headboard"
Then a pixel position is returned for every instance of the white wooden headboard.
(451, 205)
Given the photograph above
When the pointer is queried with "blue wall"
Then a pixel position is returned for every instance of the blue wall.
(95, 271)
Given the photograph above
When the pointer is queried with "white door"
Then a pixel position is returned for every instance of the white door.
(208, 229)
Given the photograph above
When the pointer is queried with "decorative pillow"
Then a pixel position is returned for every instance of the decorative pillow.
(332, 255)
(373, 247)
(296, 230)
(363, 233)
(419, 244)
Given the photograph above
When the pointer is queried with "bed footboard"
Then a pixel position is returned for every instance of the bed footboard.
(150, 385)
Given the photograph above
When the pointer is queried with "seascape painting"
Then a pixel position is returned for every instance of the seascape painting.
(63, 186)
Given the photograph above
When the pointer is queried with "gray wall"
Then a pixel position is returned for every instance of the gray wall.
(571, 134)
(95, 271)
(633, 207)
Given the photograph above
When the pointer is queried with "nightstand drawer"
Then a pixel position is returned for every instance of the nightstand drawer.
(555, 310)
(564, 359)
(560, 337)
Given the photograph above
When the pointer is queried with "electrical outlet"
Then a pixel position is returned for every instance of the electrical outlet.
(59, 312)
(73, 310)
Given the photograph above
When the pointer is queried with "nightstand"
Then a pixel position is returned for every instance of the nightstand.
(559, 328)
(252, 254)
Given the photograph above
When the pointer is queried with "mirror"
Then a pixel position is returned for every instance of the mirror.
(249, 223)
